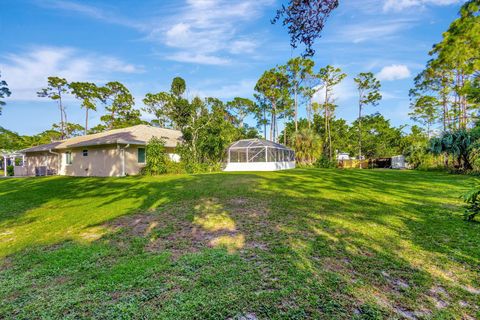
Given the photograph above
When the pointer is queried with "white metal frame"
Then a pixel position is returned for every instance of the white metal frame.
(286, 161)
(11, 156)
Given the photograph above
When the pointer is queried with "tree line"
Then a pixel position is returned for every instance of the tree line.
(446, 93)
(445, 98)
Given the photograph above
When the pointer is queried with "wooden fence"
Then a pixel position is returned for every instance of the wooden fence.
(367, 163)
(349, 164)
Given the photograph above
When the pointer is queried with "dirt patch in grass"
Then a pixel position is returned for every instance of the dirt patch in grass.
(5, 264)
(246, 316)
(236, 224)
(439, 296)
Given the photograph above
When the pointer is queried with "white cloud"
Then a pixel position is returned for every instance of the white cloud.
(342, 92)
(27, 72)
(198, 58)
(244, 88)
(210, 28)
(394, 72)
(198, 30)
(243, 46)
(374, 30)
(92, 12)
(398, 5)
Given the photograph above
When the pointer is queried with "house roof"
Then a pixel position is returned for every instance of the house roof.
(139, 135)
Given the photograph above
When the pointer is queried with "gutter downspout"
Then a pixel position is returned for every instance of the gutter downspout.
(59, 160)
(123, 158)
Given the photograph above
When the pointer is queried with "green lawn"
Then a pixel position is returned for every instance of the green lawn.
(283, 245)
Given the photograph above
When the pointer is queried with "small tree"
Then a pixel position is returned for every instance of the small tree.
(156, 157)
(273, 88)
(459, 144)
(181, 109)
(297, 69)
(4, 92)
(160, 105)
(242, 107)
(119, 106)
(55, 90)
(330, 77)
(307, 145)
(178, 87)
(472, 200)
(88, 93)
(368, 94)
(424, 110)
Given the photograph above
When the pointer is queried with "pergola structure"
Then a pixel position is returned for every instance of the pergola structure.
(259, 155)
(10, 156)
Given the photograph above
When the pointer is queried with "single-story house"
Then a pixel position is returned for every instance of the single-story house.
(116, 152)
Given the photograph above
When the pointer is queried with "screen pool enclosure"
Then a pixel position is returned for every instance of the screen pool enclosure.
(259, 155)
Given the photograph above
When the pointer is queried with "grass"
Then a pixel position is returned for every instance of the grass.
(364, 244)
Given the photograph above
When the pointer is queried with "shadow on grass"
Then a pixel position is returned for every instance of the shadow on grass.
(315, 243)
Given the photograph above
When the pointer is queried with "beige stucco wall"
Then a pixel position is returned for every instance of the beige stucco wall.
(39, 159)
(102, 161)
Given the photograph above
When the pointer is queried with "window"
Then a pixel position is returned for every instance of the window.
(68, 157)
(85, 153)
(141, 155)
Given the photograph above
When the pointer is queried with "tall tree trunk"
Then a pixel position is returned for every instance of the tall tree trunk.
(309, 112)
(271, 127)
(67, 134)
(62, 113)
(274, 122)
(360, 133)
(326, 115)
(445, 113)
(62, 132)
(112, 115)
(265, 123)
(296, 107)
(86, 120)
(329, 137)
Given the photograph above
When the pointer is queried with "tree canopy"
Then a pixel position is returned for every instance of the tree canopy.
(305, 20)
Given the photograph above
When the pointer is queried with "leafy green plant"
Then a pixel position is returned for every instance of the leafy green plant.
(325, 162)
(472, 207)
(10, 170)
(307, 145)
(157, 157)
(459, 144)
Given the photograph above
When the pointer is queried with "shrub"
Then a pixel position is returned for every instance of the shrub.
(195, 167)
(324, 162)
(307, 145)
(157, 157)
(175, 167)
(10, 171)
(472, 207)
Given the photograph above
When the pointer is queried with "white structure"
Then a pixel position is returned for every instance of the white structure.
(259, 155)
(343, 156)
(11, 157)
(398, 162)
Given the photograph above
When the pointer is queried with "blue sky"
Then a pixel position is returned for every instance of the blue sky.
(220, 47)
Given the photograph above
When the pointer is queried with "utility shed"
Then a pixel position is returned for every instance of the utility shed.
(259, 155)
(398, 162)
